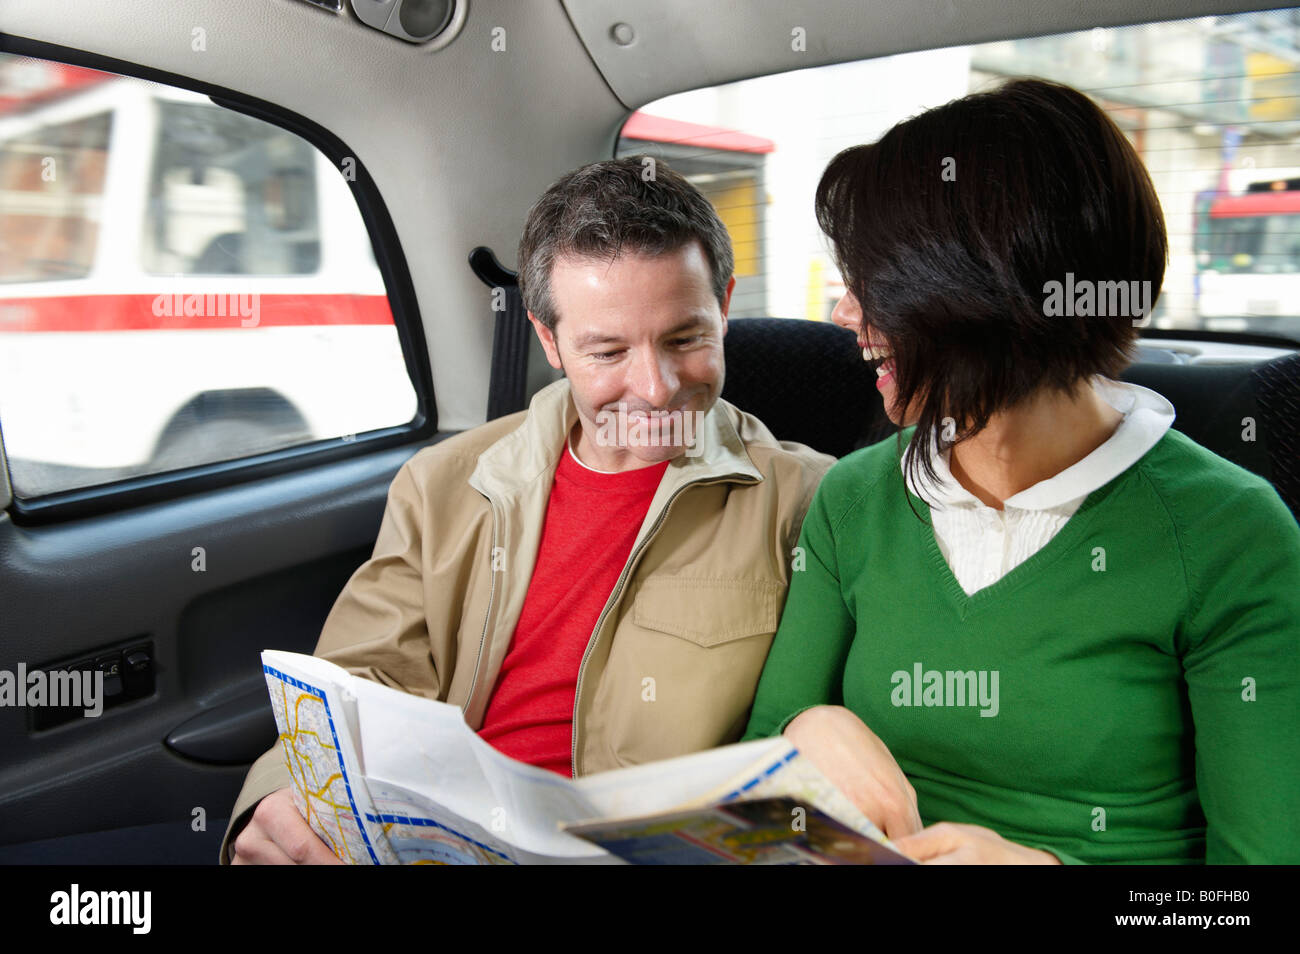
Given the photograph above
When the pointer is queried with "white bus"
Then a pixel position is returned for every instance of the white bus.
(203, 281)
(1248, 253)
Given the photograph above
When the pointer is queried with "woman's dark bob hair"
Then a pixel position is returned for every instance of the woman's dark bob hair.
(968, 232)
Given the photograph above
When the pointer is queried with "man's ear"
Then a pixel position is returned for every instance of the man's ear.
(726, 303)
(547, 338)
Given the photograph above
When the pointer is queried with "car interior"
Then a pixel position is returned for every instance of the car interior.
(446, 122)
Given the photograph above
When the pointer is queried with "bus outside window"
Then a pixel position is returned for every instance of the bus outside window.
(1248, 252)
(179, 284)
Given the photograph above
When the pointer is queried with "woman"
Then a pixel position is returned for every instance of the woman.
(1052, 628)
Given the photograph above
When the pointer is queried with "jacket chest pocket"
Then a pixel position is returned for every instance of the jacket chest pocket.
(682, 669)
(708, 612)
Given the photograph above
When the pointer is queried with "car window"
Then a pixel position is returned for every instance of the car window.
(180, 284)
(1212, 105)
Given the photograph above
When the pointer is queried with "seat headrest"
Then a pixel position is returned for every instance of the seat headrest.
(806, 381)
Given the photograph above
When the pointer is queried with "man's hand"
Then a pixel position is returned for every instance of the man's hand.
(852, 757)
(278, 835)
(948, 843)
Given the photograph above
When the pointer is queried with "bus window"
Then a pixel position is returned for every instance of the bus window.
(51, 184)
(229, 196)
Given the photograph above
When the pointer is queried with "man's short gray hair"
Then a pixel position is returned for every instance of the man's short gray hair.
(635, 204)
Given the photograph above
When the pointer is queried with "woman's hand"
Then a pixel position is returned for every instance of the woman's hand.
(948, 843)
(854, 759)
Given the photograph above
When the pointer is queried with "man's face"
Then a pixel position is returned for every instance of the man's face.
(644, 332)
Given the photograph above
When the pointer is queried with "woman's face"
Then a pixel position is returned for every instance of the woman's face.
(848, 314)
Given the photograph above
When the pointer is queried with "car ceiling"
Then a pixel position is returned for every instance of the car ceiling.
(460, 140)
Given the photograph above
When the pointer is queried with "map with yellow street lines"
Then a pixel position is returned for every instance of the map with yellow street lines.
(387, 777)
(328, 791)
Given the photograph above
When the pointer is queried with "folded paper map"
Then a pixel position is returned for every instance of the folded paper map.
(386, 777)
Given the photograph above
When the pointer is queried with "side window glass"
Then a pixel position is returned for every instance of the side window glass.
(180, 284)
(1211, 104)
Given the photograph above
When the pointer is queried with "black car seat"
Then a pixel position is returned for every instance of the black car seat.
(807, 381)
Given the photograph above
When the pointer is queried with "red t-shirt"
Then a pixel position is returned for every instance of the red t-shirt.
(592, 521)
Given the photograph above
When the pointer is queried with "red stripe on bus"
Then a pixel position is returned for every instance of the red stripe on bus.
(1255, 203)
(190, 312)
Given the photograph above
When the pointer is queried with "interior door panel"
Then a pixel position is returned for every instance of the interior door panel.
(276, 552)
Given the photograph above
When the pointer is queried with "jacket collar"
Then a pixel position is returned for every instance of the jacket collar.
(532, 451)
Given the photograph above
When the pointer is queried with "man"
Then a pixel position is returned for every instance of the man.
(595, 581)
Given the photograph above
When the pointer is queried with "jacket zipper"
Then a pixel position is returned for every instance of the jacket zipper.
(492, 591)
(618, 587)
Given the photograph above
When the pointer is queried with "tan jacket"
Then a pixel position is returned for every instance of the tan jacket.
(675, 656)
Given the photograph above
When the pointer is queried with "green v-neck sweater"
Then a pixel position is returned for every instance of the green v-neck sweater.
(1130, 693)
